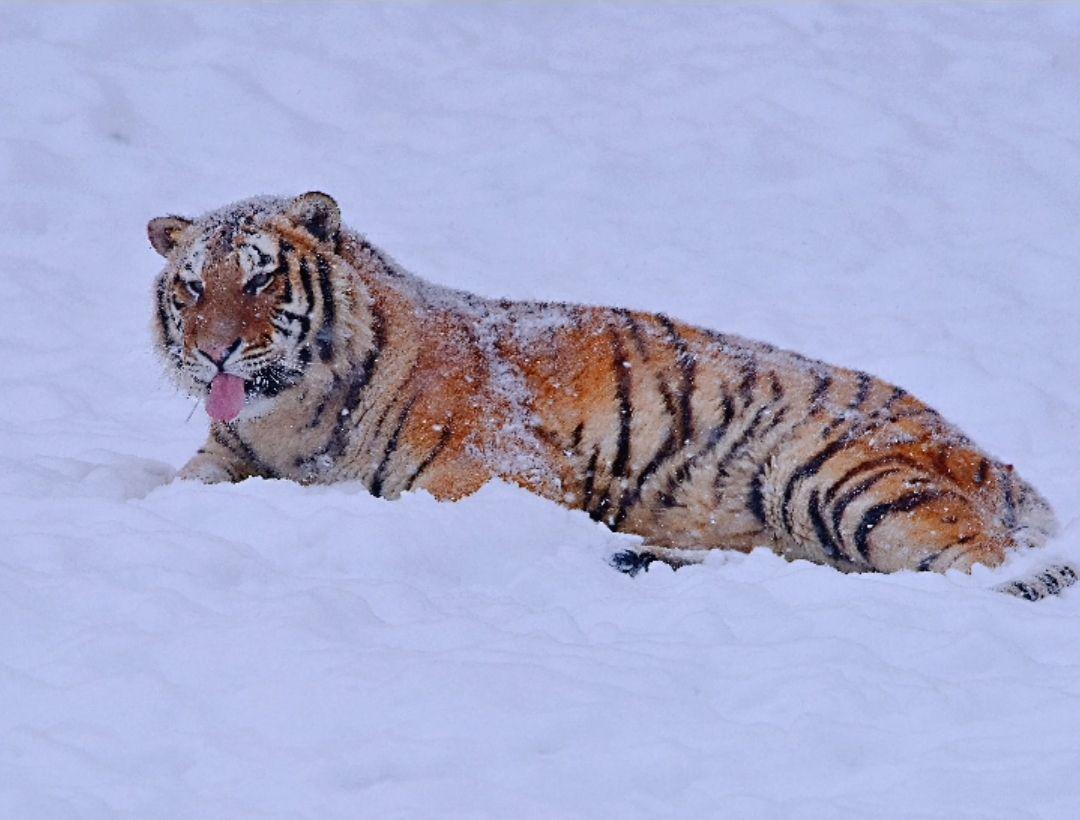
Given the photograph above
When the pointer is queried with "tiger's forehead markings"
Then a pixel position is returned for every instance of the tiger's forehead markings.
(221, 227)
(216, 241)
(245, 212)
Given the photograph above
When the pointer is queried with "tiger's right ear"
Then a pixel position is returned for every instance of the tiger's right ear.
(164, 232)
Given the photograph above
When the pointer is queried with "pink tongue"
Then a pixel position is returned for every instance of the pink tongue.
(226, 397)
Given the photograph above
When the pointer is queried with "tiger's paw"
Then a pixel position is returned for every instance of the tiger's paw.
(205, 470)
(631, 562)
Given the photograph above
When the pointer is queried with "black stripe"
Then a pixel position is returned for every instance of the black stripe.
(683, 415)
(282, 271)
(231, 469)
(632, 496)
(897, 394)
(444, 437)
(982, 472)
(589, 484)
(363, 245)
(668, 500)
(873, 516)
(636, 335)
(622, 398)
(575, 437)
(374, 433)
(391, 446)
(625, 410)
(744, 440)
(849, 497)
(1022, 590)
(716, 435)
(324, 339)
(865, 383)
(728, 408)
(598, 513)
(807, 469)
(667, 397)
(686, 411)
(748, 366)
(163, 323)
(688, 372)
(681, 473)
(305, 324)
(821, 389)
(755, 500)
(824, 537)
(1010, 503)
(775, 386)
(1053, 585)
(316, 417)
(928, 562)
(305, 283)
(866, 467)
(361, 377)
(228, 438)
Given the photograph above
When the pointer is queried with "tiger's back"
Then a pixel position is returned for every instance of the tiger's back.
(695, 439)
(690, 438)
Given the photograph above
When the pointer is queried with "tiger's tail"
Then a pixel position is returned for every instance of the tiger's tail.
(1033, 524)
(1051, 580)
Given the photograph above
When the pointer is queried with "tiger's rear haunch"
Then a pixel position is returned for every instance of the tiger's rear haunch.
(321, 360)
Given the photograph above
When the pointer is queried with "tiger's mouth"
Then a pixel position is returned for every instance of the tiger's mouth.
(228, 393)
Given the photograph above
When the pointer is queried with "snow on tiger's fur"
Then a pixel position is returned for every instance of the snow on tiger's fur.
(321, 360)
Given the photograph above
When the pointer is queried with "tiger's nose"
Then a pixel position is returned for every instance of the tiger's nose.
(219, 354)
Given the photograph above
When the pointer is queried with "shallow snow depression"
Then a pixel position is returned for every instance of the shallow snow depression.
(894, 189)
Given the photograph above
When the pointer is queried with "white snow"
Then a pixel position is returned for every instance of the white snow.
(894, 188)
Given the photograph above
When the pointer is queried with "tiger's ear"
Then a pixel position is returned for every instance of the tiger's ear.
(164, 232)
(317, 213)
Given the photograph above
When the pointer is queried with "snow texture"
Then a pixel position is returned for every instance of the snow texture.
(893, 188)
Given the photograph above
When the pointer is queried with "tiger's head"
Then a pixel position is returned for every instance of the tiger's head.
(246, 301)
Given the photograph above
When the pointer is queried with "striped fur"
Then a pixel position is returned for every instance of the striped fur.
(693, 439)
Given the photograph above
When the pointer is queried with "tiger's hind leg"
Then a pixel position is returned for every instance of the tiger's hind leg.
(889, 513)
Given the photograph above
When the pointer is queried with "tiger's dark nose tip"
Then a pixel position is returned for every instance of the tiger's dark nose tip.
(219, 354)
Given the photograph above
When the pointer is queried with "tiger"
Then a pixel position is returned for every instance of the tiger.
(320, 359)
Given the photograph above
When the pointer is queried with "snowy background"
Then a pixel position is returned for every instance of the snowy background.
(895, 188)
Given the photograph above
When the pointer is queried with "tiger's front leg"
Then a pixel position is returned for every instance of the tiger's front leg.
(215, 463)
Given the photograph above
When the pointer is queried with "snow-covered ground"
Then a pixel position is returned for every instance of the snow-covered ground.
(895, 188)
